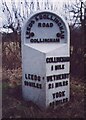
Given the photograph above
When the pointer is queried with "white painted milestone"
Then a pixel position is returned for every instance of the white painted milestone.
(46, 59)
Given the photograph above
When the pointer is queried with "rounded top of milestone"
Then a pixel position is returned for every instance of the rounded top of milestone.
(45, 27)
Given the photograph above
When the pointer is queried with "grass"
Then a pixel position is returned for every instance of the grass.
(15, 107)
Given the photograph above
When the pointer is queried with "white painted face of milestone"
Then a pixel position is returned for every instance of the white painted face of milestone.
(45, 29)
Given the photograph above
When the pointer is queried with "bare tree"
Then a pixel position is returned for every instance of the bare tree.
(17, 13)
(75, 12)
